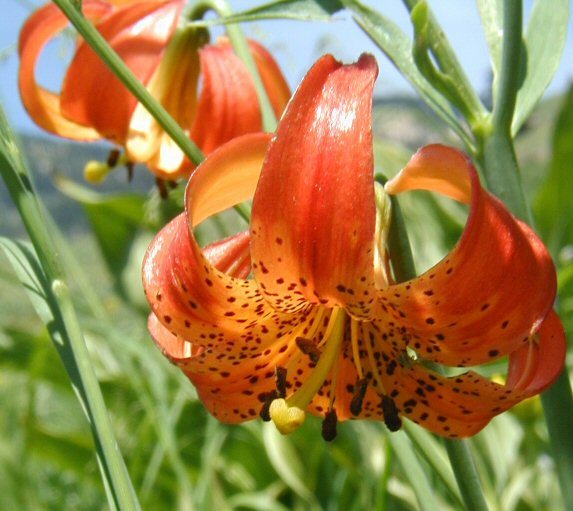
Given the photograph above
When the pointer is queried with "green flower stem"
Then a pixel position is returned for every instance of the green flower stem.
(66, 333)
(451, 67)
(458, 450)
(114, 62)
(501, 171)
(241, 47)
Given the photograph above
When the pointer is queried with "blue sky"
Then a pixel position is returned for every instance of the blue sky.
(295, 44)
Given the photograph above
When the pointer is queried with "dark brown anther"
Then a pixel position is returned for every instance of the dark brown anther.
(113, 158)
(172, 184)
(265, 410)
(308, 348)
(360, 388)
(163, 191)
(281, 381)
(129, 167)
(329, 424)
(391, 416)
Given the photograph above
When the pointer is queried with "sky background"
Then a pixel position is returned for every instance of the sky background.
(296, 45)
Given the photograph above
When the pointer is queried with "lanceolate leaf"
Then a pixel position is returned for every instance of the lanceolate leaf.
(305, 10)
(554, 205)
(491, 20)
(28, 270)
(398, 48)
(544, 42)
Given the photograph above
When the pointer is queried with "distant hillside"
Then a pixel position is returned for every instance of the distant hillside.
(47, 156)
(404, 121)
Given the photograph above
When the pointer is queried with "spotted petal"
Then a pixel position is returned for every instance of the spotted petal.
(139, 33)
(43, 105)
(495, 287)
(313, 213)
(537, 364)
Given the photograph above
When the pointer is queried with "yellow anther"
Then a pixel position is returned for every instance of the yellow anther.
(96, 171)
(286, 418)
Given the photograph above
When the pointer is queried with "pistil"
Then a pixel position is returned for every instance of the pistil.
(289, 414)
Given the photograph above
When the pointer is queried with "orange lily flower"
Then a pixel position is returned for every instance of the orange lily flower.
(94, 104)
(322, 327)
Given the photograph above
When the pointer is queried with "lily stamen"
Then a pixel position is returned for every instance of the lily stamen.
(391, 414)
(329, 424)
(360, 388)
(281, 381)
(288, 414)
(308, 348)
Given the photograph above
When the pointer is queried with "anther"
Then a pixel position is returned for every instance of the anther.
(129, 167)
(329, 424)
(265, 414)
(308, 348)
(113, 158)
(281, 381)
(390, 411)
(360, 388)
(162, 187)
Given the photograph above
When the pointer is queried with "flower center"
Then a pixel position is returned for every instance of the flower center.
(289, 414)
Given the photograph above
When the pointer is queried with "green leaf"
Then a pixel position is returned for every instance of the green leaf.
(553, 206)
(544, 42)
(115, 221)
(23, 259)
(304, 10)
(398, 47)
(491, 12)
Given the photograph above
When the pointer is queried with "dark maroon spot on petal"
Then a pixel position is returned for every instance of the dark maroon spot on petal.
(493, 353)
(167, 319)
(430, 321)
(279, 241)
(209, 282)
(505, 323)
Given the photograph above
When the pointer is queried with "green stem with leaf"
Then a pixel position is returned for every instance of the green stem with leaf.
(502, 174)
(458, 450)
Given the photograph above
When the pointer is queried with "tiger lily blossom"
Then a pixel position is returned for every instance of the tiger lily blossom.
(321, 326)
(169, 60)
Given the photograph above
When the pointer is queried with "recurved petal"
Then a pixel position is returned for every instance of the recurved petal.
(313, 213)
(183, 287)
(491, 292)
(92, 95)
(537, 364)
(449, 406)
(228, 104)
(43, 105)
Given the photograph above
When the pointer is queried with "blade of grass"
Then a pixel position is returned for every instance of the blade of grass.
(65, 329)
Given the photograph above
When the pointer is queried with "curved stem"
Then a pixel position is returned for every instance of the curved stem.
(501, 171)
